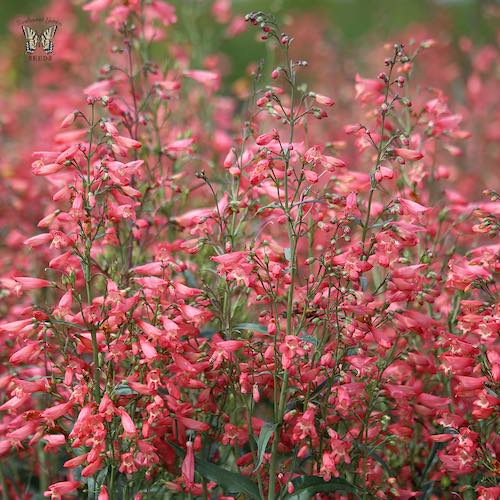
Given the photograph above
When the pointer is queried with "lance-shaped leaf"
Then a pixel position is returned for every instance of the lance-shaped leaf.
(305, 487)
(253, 327)
(266, 432)
(230, 482)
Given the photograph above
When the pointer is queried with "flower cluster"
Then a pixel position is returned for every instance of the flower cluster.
(299, 302)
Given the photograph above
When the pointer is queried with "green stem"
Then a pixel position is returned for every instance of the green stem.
(86, 262)
(44, 475)
(380, 150)
(3, 483)
(289, 309)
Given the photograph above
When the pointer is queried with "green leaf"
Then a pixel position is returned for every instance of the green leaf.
(292, 404)
(364, 283)
(95, 482)
(378, 458)
(254, 327)
(266, 432)
(231, 482)
(288, 254)
(428, 486)
(310, 339)
(436, 446)
(308, 201)
(208, 332)
(124, 389)
(67, 323)
(382, 462)
(271, 205)
(191, 280)
(305, 487)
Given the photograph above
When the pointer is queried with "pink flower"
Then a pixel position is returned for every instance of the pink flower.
(57, 411)
(351, 204)
(96, 7)
(488, 493)
(192, 424)
(384, 173)
(413, 208)
(54, 441)
(230, 345)
(29, 283)
(76, 461)
(305, 427)
(22, 432)
(26, 354)
(127, 142)
(169, 85)
(188, 465)
(16, 326)
(92, 467)
(442, 438)
(210, 79)
(14, 403)
(147, 348)
(264, 139)
(127, 423)
(352, 129)
(57, 490)
(324, 100)
(164, 11)
(313, 155)
(39, 168)
(290, 348)
(408, 154)
(461, 274)
(103, 494)
(101, 88)
(433, 402)
(127, 463)
(180, 145)
(68, 154)
(368, 89)
(150, 330)
(221, 10)
(311, 177)
(331, 163)
(69, 119)
(39, 239)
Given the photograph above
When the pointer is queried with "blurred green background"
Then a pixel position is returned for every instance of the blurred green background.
(351, 23)
(352, 18)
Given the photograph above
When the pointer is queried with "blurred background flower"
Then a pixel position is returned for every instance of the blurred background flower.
(348, 24)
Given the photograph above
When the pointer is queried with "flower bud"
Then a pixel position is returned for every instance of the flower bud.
(69, 119)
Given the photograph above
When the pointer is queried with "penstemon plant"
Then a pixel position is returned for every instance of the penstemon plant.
(289, 305)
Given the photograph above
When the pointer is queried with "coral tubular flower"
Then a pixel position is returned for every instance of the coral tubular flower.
(324, 100)
(127, 142)
(408, 154)
(188, 465)
(57, 490)
(127, 423)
